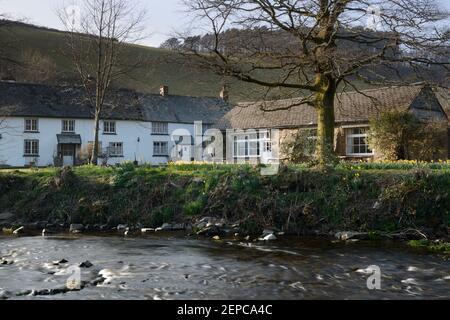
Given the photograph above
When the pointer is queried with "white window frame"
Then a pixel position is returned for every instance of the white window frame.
(267, 146)
(243, 142)
(67, 123)
(109, 127)
(349, 136)
(33, 148)
(115, 149)
(159, 150)
(33, 124)
(160, 128)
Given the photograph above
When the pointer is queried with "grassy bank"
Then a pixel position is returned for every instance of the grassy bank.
(297, 200)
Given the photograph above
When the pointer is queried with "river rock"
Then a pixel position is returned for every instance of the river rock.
(267, 232)
(217, 238)
(122, 227)
(269, 237)
(165, 227)
(62, 261)
(6, 262)
(179, 227)
(210, 231)
(147, 230)
(350, 235)
(203, 222)
(19, 230)
(37, 225)
(87, 264)
(76, 228)
(5, 295)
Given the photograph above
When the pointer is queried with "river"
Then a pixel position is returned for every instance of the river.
(176, 267)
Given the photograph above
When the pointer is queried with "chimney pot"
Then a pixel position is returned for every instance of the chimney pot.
(164, 91)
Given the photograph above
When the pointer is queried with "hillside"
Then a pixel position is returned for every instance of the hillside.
(49, 46)
(24, 39)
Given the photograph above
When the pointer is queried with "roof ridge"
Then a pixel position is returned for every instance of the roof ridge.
(73, 86)
(416, 84)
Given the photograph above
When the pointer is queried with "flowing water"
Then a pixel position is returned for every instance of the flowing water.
(174, 267)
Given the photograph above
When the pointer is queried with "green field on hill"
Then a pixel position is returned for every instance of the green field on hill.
(161, 69)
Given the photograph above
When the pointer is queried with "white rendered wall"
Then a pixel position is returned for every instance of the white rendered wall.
(136, 137)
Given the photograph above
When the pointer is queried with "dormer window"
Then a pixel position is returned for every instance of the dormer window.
(109, 127)
(68, 126)
(160, 128)
(31, 125)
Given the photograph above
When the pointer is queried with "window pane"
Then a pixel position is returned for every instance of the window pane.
(357, 141)
(31, 147)
(161, 148)
(116, 148)
(253, 150)
(160, 128)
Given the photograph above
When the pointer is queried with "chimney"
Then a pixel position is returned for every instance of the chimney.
(164, 91)
(224, 94)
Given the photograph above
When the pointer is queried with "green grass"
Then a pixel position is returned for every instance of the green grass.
(297, 199)
(396, 165)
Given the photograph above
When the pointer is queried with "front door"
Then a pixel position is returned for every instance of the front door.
(68, 154)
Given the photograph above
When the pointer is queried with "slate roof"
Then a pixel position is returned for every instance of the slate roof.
(351, 107)
(35, 100)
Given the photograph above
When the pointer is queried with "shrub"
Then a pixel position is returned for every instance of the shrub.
(194, 208)
(301, 147)
(401, 136)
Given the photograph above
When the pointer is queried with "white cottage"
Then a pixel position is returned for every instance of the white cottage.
(44, 125)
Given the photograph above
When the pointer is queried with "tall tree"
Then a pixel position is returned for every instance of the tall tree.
(99, 33)
(171, 44)
(333, 44)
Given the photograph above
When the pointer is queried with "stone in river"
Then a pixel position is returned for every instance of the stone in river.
(4, 295)
(62, 261)
(87, 264)
(269, 237)
(76, 228)
(121, 227)
(350, 235)
(267, 232)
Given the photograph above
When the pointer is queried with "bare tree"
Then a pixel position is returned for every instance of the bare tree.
(99, 33)
(331, 45)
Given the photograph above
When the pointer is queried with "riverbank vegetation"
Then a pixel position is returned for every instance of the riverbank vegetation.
(383, 198)
(431, 246)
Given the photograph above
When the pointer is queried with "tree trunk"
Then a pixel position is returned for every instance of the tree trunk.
(94, 157)
(325, 122)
